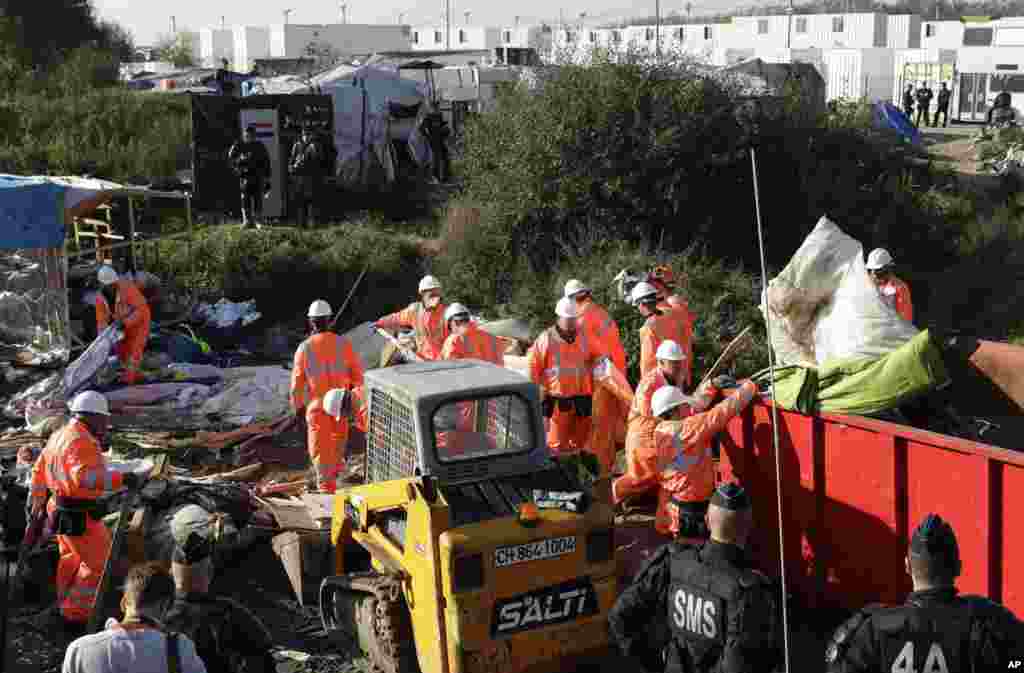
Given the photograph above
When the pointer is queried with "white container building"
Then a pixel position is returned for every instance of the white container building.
(251, 43)
(932, 66)
(216, 45)
(903, 31)
(347, 39)
(984, 72)
(858, 73)
(942, 34)
(803, 31)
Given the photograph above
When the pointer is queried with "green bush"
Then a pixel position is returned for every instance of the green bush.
(284, 270)
(119, 135)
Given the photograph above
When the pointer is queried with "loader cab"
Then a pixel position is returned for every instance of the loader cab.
(453, 421)
(459, 578)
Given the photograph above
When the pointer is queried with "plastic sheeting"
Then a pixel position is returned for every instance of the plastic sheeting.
(34, 321)
(228, 313)
(263, 396)
(824, 307)
(862, 385)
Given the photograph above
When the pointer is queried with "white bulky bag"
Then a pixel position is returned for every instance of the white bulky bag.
(823, 306)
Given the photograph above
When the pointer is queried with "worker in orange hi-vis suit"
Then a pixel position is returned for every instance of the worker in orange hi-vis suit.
(558, 363)
(425, 317)
(466, 339)
(664, 281)
(323, 362)
(329, 420)
(661, 325)
(680, 460)
(893, 291)
(73, 469)
(598, 331)
(131, 313)
(642, 421)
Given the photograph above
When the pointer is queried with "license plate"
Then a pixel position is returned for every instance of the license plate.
(544, 607)
(534, 551)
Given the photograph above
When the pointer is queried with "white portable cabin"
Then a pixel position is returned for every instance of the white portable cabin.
(903, 31)
(933, 66)
(982, 73)
(858, 73)
(942, 34)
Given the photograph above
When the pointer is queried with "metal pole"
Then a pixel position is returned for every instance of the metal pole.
(789, 30)
(657, 29)
(448, 25)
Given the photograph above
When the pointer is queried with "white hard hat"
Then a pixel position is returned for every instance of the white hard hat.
(429, 283)
(319, 309)
(454, 310)
(666, 398)
(106, 275)
(575, 287)
(566, 308)
(333, 401)
(643, 291)
(670, 350)
(90, 402)
(879, 259)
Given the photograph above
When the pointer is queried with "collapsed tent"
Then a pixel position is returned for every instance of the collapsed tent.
(373, 106)
(824, 307)
(838, 346)
(863, 386)
(34, 314)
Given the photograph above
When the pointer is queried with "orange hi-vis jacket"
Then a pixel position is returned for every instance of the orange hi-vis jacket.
(670, 325)
(560, 368)
(683, 455)
(428, 324)
(601, 334)
(473, 343)
(131, 307)
(133, 311)
(72, 466)
(323, 362)
(641, 471)
(896, 294)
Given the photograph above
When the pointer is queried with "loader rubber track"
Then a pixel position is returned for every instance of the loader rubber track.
(381, 622)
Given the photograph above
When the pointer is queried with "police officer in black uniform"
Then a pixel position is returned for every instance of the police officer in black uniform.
(936, 630)
(251, 163)
(722, 615)
(307, 169)
(228, 637)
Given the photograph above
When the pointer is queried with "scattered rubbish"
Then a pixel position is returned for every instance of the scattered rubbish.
(227, 313)
(260, 397)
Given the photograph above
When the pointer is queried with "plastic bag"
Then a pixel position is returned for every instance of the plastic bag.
(823, 306)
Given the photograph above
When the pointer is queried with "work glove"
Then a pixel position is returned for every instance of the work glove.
(346, 403)
(724, 382)
(119, 325)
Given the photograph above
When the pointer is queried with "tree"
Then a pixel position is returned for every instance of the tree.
(47, 30)
(176, 50)
(113, 37)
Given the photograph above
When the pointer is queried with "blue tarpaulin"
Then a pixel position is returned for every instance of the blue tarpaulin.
(888, 115)
(31, 213)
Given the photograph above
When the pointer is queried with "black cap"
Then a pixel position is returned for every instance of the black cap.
(935, 538)
(731, 496)
(195, 550)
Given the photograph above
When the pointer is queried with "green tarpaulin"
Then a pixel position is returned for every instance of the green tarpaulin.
(862, 386)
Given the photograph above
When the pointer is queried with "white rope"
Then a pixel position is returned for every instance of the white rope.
(775, 413)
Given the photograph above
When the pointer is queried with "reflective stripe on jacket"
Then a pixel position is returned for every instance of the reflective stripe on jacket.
(323, 362)
(428, 324)
(72, 466)
(560, 368)
(474, 343)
